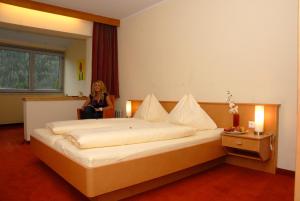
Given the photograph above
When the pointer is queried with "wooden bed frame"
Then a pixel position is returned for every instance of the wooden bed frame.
(219, 113)
(124, 179)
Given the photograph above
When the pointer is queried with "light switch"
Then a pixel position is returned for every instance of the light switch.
(251, 124)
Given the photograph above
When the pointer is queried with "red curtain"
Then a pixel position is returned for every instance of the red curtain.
(105, 57)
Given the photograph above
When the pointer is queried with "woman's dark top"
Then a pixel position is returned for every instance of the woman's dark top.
(90, 113)
(101, 103)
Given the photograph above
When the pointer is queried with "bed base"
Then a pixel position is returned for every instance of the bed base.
(158, 182)
(105, 182)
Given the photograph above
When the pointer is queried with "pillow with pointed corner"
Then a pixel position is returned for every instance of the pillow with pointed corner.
(151, 110)
(143, 108)
(189, 113)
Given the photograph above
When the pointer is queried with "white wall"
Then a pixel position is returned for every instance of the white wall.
(75, 53)
(35, 40)
(79, 50)
(208, 47)
(45, 30)
(21, 26)
(89, 46)
(44, 22)
(75, 50)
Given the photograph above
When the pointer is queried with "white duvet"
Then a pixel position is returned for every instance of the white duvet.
(91, 138)
(63, 127)
(119, 131)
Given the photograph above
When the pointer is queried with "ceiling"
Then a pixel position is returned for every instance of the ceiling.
(109, 8)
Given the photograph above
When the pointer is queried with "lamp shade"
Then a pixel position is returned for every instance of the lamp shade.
(259, 118)
(128, 108)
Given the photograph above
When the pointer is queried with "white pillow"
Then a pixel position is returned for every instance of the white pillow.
(189, 113)
(151, 110)
(156, 112)
(143, 108)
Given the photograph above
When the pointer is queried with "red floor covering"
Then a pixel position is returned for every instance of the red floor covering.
(23, 177)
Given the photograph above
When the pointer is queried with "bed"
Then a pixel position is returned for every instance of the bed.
(118, 178)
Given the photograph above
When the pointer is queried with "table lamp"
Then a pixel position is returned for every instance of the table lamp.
(259, 119)
(128, 109)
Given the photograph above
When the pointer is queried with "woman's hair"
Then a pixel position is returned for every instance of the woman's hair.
(102, 88)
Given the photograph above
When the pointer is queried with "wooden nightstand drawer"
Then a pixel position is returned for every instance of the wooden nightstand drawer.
(241, 143)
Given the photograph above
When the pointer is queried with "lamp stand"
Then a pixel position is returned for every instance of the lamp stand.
(258, 133)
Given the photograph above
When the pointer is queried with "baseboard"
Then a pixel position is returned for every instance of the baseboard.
(12, 125)
(285, 172)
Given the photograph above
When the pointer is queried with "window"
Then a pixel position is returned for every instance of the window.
(30, 70)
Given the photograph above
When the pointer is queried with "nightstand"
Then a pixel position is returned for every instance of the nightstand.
(256, 147)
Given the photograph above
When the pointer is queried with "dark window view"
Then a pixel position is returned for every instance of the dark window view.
(14, 69)
(47, 71)
(30, 70)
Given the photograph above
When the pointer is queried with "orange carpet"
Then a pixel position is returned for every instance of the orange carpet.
(23, 177)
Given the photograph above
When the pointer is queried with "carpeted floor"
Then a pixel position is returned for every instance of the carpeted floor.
(23, 177)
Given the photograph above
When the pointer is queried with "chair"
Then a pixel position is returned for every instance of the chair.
(108, 113)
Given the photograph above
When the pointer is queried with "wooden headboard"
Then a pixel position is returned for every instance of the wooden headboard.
(219, 113)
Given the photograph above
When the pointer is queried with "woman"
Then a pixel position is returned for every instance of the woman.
(97, 102)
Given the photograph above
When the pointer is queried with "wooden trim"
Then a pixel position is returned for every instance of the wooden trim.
(249, 135)
(52, 98)
(244, 156)
(219, 113)
(211, 103)
(285, 172)
(89, 180)
(62, 11)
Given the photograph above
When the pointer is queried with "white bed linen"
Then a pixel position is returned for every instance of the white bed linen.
(46, 136)
(109, 155)
(118, 135)
(62, 127)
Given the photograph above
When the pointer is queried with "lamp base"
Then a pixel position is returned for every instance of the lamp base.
(258, 133)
